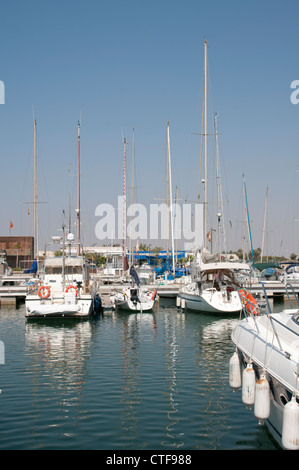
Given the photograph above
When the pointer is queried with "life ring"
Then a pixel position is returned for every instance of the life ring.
(249, 302)
(154, 295)
(72, 287)
(44, 292)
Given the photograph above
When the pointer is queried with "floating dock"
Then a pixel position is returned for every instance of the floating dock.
(13, 289)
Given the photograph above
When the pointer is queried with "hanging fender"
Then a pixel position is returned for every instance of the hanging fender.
(154, 295)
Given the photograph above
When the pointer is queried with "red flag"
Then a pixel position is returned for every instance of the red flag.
(11, 224)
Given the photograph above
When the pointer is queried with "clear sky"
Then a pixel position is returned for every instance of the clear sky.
(118, 64)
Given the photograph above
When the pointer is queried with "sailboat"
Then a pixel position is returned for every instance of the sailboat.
(64, 288)
(216, 288)
(134, 297)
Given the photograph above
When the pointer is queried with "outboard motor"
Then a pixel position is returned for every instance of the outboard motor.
(97, 304)
(134, 296)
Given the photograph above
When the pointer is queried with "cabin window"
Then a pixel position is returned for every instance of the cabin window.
(67, 270)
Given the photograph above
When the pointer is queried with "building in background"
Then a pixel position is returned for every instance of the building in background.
(18, 251)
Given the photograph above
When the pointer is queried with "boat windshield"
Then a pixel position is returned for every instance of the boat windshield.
(72, 265)
(67, 270)
(215, 278)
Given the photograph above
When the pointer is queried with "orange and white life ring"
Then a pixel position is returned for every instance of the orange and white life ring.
(72, 287)
(154, 295)
(44, 292)
(249, 302)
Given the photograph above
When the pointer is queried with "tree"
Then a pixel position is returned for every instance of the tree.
(256, 254)
(157, 250)
(96, 258)
(143, 247)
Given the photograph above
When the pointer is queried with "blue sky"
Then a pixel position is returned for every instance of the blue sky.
(115, 65)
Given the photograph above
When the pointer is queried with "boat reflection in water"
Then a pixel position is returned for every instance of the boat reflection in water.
(59, 353)
(156, 380)
(139, 389)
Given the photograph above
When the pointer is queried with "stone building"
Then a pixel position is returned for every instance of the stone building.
(18, 251)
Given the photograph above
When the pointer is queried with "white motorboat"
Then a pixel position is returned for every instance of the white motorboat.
(62, 295)
(64, 288)
(267, 349)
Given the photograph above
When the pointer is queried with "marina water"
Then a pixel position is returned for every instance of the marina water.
(123, 381)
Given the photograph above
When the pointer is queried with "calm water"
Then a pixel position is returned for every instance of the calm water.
(125, 381)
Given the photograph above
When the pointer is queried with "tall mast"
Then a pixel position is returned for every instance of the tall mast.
(132, 193)
(219, 212)
(265, 229)
(35, 199)
(200, 150)
(124, 205)
(167, 189)
(171, 206)
(244, 218)
(267, 200)
(248, 221)
(63, 252)
(70, 216)
(70, 225)
(205, 140)
(79, 208)
(220, 216)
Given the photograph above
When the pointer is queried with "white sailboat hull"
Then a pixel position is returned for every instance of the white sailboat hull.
(271, 343)
(215, 290)
(135, 306)
(212, 301)
(254, 337)
(142, 301)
